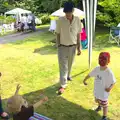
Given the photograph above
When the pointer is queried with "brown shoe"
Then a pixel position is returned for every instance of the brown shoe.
(61, 90)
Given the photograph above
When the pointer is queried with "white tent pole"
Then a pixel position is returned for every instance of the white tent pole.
(88, 31)
(95, 10)
(84, 9)
(90, 11)
(91, 31)
(94, 19)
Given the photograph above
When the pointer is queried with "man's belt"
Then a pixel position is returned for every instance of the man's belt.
(67, 45)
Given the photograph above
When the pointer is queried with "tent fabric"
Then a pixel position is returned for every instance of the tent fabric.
(17, 11)
(90, 8)
(60, 13)
(52, 25)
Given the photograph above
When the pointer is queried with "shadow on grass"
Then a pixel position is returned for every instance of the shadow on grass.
(59, 108)
(80, 73)
(48, 49)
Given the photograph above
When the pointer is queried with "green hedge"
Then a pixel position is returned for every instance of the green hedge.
(6, 20)
(45, 18)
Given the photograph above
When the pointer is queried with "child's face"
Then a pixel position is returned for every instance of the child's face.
(103, 61)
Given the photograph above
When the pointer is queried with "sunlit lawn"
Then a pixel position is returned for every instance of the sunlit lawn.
(33, 64)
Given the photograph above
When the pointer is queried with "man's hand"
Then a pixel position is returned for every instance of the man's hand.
(78, 52)
(108, 89)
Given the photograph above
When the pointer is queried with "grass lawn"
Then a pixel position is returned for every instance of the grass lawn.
(33, 64)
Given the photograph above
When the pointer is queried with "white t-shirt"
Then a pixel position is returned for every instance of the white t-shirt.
(23, 19)
(103, 79)
(29, 18)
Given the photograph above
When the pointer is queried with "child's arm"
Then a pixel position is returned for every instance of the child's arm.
(87, 77)
(112, 81)
(110, 88)
(17, 89)
(36, 105)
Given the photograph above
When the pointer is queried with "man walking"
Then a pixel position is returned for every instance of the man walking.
(68, 39)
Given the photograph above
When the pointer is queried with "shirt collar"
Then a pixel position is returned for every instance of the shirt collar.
(68, 20)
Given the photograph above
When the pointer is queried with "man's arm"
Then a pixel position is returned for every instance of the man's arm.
(78, 37)
(58, 33)
(78, 44)
(58, 40)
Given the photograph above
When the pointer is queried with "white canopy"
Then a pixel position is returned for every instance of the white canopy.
(60, 13)
(17, 11)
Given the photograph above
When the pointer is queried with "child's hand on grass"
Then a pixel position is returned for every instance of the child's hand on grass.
(45, 99)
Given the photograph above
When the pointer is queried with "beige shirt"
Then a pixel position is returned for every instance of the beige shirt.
(68, 31)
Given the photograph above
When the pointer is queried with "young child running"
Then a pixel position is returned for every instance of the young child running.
(103, 84)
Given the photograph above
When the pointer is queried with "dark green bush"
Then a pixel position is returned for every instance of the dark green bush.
(45, 18)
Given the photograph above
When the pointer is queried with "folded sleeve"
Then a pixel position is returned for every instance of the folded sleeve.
(112, 78)
(93, 72)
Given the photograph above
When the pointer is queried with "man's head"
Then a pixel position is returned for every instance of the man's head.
(104, 58)
(68, 10)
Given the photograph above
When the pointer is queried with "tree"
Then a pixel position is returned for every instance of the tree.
(109, 12)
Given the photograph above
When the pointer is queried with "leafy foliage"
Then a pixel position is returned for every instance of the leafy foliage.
(108, 10)
(6, 20)
(45, 18)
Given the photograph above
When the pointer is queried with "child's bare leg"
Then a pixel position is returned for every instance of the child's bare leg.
(105, 111)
